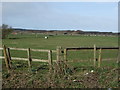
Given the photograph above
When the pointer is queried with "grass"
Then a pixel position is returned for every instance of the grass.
(25, 41)
(38, 77)
(80, 62)
(31, 41)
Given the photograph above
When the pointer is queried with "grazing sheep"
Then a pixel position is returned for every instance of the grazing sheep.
(46, 37)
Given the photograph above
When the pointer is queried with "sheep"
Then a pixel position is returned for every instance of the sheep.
(46, 37)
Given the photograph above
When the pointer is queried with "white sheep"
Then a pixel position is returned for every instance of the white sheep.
(46, 37)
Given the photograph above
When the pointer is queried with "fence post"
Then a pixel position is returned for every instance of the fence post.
(9, 56)
(50, 59)
(118, 57)
(58, 53)
(29, 57)
(65, 59)
(65, 55)
(99, 60)
(59, 60)
(6, 58)
(94, 55)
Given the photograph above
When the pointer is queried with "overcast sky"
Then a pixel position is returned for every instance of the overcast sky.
(100, 16)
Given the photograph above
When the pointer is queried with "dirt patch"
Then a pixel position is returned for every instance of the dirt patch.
(91, 80)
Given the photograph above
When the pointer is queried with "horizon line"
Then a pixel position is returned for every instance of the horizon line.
(85, 30)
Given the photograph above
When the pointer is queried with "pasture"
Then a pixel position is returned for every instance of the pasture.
(80, 63)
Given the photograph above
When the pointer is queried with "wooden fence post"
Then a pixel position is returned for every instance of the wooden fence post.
(29, 57)
(99, 60)
(58, 53)
(50, 59)
(65, 60)
(59, 59)
(6, 58)
(94, 55)
(118, 57)
(65, 55)
(9, 56)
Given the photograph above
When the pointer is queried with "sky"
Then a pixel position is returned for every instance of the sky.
(87, 16)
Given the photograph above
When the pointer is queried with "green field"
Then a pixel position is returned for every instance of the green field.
(28, 40)
(39, 42)
(80, 61)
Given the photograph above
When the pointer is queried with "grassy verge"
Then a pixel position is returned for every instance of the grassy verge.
(78, 75)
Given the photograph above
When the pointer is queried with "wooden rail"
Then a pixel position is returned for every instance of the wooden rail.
(88, 48)
(94, 48)
(26, 59)
(67, 48)
(61, 54)
(23, 49)
(7, 56)
(35, 50)
(41, 60)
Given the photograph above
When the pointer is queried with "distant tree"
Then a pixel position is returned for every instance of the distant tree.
(5, 30)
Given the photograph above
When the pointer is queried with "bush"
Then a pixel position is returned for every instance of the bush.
(5, 31)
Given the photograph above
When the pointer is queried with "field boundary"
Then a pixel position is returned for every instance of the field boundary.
(8, 59)
(95, 51)
(61, 54)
